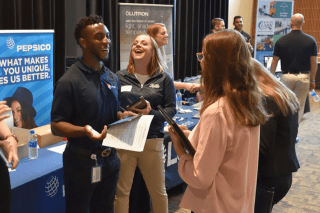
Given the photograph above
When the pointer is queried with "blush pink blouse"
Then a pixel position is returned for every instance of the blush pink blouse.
(222, 175)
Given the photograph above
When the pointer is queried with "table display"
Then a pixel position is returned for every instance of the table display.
(38, 186)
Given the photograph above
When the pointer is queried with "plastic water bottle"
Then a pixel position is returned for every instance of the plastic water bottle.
(179, 100)
(314, 96)
(33, 143)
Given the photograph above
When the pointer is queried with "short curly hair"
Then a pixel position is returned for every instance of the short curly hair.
(83, 22)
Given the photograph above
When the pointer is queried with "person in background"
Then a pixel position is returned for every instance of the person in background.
(159, 33)
(22, 110)
(277, 153)
(145, 76)
(9, 143)
(222, 175)
(217, 24)
(238, 25)
(298, 54)
(86, 97)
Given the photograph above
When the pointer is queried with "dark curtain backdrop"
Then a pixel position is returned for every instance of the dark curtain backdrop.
(192, 21)
(36, 15)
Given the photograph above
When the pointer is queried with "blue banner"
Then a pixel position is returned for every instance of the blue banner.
(273, 21)
(26, 75)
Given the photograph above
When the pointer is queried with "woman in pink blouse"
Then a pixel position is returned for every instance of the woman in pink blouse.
(222, 175)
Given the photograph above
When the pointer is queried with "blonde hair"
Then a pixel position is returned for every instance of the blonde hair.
(154, 64)
(153, 30)
(285, 99)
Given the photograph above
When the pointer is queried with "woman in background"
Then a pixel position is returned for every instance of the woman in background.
(146, 77)
(22, 110)
(159, 33)
(277, 153)
(222, 175)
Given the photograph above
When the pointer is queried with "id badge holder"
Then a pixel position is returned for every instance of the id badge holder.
(95, 170)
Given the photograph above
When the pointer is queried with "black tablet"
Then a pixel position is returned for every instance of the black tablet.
(139, 104)
(182, 138)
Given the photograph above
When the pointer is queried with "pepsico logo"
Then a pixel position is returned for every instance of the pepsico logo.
(10, 43)
(52, 186)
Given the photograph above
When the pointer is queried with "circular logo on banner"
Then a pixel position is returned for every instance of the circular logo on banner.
(10, 43)
(52, 186)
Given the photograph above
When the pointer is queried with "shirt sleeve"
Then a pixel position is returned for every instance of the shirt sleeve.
(169, 100)
(62, 104)
(276, 50)
(314, 50)
(200, 172)
(119, 92)
(268, 132)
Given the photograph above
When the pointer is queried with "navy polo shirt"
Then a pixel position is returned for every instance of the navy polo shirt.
(158, 90)
(83, 96)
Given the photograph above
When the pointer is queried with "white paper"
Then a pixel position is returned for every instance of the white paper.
(197, 115)
(130, 135)
(126, 88)
(58, 149)
(198, 104)
(185, 111)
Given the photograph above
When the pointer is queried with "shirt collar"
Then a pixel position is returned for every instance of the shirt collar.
(154, 74)
(86, 68)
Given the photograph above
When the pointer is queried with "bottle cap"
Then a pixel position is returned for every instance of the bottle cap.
(178, 90)
(31, 131)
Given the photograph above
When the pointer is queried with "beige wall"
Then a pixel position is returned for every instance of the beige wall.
(243, 8)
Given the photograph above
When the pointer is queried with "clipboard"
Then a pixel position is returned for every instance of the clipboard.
(127, 119)
(182, 138)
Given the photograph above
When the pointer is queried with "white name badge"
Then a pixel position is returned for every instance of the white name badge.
(126, 88)
(96, 174)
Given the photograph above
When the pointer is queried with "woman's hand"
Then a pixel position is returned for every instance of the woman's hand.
(3, 109)
(10, 145)
(144, 111)
(94, 135)
(125, 114)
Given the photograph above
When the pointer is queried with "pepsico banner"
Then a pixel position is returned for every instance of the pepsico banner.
(26, 75)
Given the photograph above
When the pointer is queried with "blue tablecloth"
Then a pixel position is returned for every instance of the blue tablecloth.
(171, 163)
(38, 187)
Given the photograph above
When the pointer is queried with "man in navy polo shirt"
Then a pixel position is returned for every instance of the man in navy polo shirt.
(86, 99)
(298, 54)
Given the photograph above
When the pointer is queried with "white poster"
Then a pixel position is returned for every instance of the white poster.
(135, 19)
(273, 21)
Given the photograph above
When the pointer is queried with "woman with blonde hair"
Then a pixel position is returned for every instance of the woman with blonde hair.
(158, 32)
(277, 154)
(145, 76)
(222, 175)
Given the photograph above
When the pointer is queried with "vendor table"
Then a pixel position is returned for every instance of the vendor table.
(38, 187)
